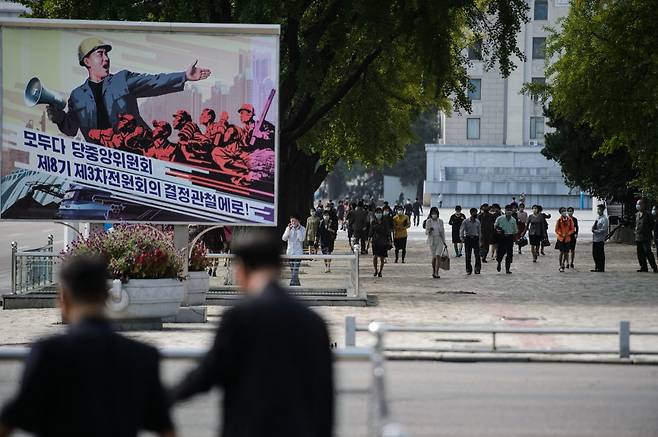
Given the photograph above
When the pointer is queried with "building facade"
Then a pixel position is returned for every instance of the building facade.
(494, 152)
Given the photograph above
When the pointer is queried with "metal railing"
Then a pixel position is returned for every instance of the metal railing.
(33, 269)
(623, 332)
(380, 423)
(352, 289)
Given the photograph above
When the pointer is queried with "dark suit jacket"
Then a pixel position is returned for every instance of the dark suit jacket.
(272, 357)
(89, 382)
(120, 94)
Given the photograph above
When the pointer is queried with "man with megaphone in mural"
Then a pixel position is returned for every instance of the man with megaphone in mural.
(104, 97)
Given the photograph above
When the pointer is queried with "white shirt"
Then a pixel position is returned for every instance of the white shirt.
(295, 238)
(437, 230)
(600, 229)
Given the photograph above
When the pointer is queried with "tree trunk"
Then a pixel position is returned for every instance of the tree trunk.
(298, 180)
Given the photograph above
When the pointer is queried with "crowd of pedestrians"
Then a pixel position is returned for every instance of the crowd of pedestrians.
(488, 234)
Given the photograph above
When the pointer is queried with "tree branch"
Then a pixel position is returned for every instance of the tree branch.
(341, 92)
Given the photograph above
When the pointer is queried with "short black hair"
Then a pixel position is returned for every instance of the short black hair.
(508, 207)
(295, 216)
(484, 205)
(600, 206)
(570, 208)
(257, 249)
(562, 208)
(86, 278)
(458, 208)
(473, 210)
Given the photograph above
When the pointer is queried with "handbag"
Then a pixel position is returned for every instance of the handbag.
(545, 242)
(444, 260)
(523, 241)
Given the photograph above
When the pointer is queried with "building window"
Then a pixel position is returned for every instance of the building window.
(536, 128)
(475, 89)
(475, 51)
(472, 128)
(541, 9)
(538, 47)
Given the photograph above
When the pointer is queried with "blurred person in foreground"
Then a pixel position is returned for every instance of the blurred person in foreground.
(271, 355)
(89, 381)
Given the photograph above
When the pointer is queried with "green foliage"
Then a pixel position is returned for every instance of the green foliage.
(606, 77)
(577, 150)
(353, 73)
(411, 168)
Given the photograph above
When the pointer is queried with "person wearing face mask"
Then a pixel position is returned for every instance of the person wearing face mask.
(470, 234)
(506, 228)
(545, 216)
(380, 238)
(521, 219)
(294, 236)
(310, 238)
(456, 222)
(535, 230)
(326, 237)
(644, 224)
(495, 212)
(572, 245)
(358, 223)
(564, 230)
(436, 239)
(401, 223)
(599, 233)
(487, 230)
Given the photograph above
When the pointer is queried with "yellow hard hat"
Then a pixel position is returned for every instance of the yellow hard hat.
(88, 45)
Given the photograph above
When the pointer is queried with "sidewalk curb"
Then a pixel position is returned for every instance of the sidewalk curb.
(520, 359)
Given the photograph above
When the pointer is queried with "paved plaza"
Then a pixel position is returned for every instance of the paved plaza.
(534, 295)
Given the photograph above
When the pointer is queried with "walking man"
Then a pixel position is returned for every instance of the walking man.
(486, 230)
(417, 211)
(294, 236)
(506, 228)
(470, 235)
(599, 232)
(271, 355)
(89, 381)
(643, 230)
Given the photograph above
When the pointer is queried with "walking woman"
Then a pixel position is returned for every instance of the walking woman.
(564, 230)
(574, 237)
(521, 219)
(436, 239)
(327, 231)
(400, 225)
(534, 227)
(456, 222)
(380, 240)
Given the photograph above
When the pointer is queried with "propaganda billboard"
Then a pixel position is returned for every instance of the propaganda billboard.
(139, 122)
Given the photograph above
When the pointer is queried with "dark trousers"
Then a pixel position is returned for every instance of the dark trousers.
(644, 253)
(485, 242)
(400, 245)
(362, 238)
(416, 219)
(505, 249)
(598, 253)
(472, 244)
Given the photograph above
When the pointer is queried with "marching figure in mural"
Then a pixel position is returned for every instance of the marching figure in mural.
(98, 103)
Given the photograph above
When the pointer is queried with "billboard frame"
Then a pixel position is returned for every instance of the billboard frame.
(147, 26)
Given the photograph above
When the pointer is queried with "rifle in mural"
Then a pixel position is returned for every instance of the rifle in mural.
(257, 133)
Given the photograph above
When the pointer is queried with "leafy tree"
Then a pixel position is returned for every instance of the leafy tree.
(603, 174)
(353, 73)
(411, 168)
(605, 76)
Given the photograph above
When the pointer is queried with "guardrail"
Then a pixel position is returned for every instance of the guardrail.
(623, 333)
(32, 269)
(353, 289)
(381, 424)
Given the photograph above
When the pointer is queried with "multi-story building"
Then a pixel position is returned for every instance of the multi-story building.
(494, 152)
